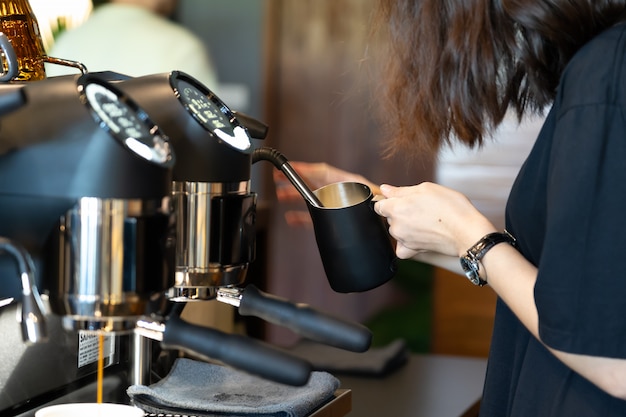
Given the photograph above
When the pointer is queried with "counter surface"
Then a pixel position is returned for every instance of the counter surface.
(427, 386)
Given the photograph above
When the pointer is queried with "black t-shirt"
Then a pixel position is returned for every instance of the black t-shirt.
(567, 209)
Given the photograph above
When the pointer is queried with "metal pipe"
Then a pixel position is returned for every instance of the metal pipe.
(32, 317)
(141, 361)
(280, 162)
(67, 63)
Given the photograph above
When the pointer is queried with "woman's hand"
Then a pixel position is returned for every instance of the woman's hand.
(430, 217)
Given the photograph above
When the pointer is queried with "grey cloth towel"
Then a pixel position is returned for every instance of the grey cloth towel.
(376, 362)
(202, 389)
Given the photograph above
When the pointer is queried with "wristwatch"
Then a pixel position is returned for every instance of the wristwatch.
(470, 262)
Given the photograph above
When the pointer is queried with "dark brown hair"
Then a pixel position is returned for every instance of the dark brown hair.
(457, 66)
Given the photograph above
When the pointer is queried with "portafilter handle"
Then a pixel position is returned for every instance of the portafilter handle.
(300, 318)
(244, 353)
(32, 317)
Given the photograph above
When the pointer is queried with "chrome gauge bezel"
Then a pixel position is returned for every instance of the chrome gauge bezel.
(210, 111)
(117, 114)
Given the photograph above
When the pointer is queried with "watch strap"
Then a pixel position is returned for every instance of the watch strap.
(472, 258)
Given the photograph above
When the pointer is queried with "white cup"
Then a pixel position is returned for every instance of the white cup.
(90, 410)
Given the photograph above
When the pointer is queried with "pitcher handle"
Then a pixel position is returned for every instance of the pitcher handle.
(9, 57)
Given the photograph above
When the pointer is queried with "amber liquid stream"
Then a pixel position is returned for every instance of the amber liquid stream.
(100, 368)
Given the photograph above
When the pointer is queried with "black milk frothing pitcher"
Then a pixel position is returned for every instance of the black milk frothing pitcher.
(353, 241)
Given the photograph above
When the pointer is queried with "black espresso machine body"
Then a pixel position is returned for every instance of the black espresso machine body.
(86, 168)
(215, 208)
(85, 185)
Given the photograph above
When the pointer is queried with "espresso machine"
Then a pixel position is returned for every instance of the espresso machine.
(121, 200)
(84, 189)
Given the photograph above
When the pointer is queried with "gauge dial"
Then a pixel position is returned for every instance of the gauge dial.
(127, 122)
(203, 108)
(211, 112)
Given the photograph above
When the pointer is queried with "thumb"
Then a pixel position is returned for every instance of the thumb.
(388, 190)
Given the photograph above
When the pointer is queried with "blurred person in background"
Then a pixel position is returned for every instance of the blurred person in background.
(134, 37)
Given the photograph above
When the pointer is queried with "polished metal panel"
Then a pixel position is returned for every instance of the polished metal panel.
(214, 237)
(109, 258)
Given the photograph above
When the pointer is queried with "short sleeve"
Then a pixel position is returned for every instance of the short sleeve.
(581, 285)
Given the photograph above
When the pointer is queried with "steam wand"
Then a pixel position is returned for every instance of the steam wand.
(280, 162)
(32, 317)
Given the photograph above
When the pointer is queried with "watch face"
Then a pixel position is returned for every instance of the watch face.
(471, 270)
(123, 119)
(208, 110)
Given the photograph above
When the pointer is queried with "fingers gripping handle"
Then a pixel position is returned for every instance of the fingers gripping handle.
(305, 321)
(237, 351)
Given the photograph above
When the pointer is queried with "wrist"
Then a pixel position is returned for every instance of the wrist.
(471, 259)
(466, 236)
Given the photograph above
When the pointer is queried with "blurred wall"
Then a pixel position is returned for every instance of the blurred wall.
(321, 76)
(233, 32)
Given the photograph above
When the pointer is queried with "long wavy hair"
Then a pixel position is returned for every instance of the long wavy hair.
(455, 67)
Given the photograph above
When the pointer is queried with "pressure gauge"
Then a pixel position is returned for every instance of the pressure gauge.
(125, 120)
(212, 114)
